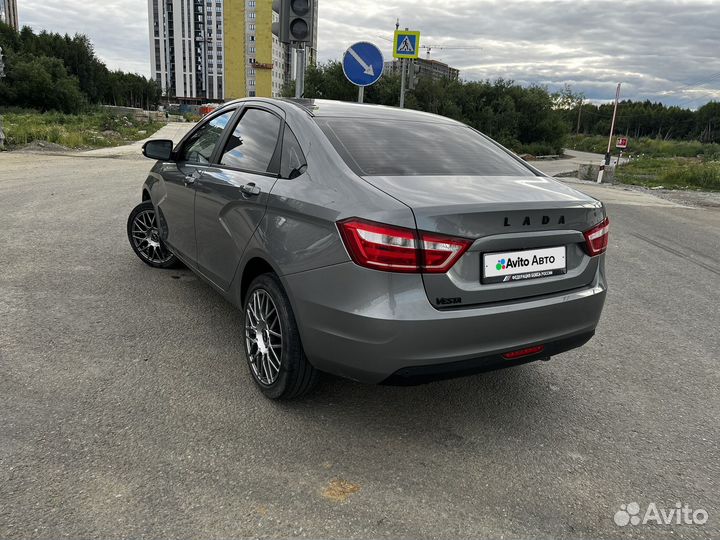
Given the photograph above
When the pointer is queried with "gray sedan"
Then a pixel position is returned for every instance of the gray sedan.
(379, 244)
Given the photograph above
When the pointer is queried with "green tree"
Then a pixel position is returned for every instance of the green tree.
(42, 83)
(81, 70)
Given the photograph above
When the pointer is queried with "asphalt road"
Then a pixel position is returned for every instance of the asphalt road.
(126, 408)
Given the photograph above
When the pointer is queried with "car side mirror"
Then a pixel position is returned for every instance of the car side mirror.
(160, 149)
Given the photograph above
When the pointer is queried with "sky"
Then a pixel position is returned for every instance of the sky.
(665, 50)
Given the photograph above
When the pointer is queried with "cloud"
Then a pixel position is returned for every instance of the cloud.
(117, 28)
(655, 48)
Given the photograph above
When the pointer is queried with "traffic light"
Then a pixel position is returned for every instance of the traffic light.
(413, 75)
(296, 21)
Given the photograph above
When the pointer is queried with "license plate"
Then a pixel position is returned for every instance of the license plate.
(510, 266)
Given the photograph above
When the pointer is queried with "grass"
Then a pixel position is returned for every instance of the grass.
(671, 173)
(96, 129)
(647, 147)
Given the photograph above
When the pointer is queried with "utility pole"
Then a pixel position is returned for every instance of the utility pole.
(612, 129)
(577, 131)
(612, 125)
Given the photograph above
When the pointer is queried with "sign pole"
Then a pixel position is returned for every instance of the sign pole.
(300, 72)
(361, 94)
(406, 45)
(402, 83)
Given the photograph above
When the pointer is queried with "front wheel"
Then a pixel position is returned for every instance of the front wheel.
(272, 342)
(142, 231)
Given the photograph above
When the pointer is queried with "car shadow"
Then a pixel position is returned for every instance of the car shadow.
(511, 401)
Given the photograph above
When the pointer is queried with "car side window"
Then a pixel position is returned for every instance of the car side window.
(201, 144)
(293, 162)
(253, 143)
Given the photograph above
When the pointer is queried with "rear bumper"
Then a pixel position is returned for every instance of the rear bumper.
(423, 374)
(380, 327)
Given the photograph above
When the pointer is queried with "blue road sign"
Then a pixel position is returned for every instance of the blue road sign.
(363, 63)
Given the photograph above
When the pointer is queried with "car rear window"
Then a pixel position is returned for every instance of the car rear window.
(375, 147)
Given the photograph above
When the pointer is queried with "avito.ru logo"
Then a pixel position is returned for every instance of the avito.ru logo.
(520, 262)
(682, 514)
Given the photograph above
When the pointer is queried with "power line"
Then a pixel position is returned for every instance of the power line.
(702, 82)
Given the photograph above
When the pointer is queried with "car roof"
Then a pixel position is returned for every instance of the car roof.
(320, 108)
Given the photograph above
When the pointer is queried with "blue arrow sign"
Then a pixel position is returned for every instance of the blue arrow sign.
(363, 63)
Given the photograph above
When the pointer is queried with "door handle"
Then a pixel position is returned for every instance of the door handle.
(250, 189)
(190, 179)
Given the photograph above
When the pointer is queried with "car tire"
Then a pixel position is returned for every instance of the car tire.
(271, 340)
(145, 238)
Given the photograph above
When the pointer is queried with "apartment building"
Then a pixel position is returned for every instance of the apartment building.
(9, 13)
(218, 49)
(186, 47)
(432, 69)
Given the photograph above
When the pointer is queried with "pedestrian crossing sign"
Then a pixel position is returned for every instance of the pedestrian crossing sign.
(406, 44)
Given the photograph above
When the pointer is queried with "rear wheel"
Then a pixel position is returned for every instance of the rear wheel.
(142, 231)
(272, 342)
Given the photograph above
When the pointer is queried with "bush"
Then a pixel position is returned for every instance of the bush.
(697, 175)
(647, 147)
(681, 173)
(92, 130)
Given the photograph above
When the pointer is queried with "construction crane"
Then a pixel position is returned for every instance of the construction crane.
(430, 48)
(442, 48)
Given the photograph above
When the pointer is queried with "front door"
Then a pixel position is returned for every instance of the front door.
(232, 196)
(177, 206)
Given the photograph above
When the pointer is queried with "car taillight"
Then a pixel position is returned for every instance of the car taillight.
(596, 239)
(398, 249)
(381, 246)
(439, 253)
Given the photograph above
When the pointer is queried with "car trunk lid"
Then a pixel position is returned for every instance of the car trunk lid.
(501, 215)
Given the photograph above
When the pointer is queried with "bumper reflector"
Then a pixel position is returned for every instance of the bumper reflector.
(523, 352)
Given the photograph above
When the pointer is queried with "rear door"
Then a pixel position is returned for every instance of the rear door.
(177, 204)
(232, 194)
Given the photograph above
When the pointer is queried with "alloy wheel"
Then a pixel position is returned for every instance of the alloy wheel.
(146, 238)
(263, 337)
